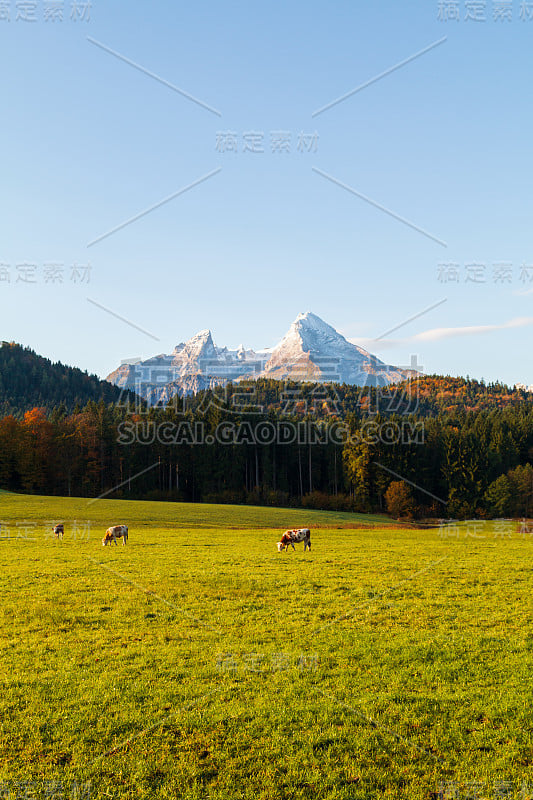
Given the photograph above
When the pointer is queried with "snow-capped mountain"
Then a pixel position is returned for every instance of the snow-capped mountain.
(192, 366)
(310, 351)
(313, 350)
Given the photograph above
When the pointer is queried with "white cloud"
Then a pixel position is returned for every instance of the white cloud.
(438, 334)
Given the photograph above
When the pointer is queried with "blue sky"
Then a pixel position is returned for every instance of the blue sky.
(88, 142)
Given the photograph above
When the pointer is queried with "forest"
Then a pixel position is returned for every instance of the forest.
(433, 447)
(448, 464)
(30, 381)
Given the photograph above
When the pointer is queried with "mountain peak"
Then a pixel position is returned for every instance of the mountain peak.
(202, 336)
(200, 345)
(309, 316)
(311, 350)
(310, 319)
(308, 337)
(310, 333)
(312, 323)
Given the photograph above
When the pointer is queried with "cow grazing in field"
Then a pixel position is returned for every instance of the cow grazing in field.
(292, 537)
(59, 530)
(114, 533)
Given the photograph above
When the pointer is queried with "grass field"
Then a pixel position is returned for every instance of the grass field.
(197, 662)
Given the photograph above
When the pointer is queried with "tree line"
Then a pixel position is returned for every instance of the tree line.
(288, 445)
(28, 381)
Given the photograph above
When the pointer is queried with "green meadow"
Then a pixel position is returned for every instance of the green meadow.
(198, 662)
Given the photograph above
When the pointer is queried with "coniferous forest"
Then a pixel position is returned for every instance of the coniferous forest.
(436, 447)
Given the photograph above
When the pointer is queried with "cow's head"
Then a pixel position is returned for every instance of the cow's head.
(105, 541)
(281, 547)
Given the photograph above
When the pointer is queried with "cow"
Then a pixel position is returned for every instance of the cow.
(114, 533)
(291, 537)
(59, 530)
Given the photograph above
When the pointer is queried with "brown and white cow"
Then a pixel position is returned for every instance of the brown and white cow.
(114, 533)
(59, 530)
(292, 537)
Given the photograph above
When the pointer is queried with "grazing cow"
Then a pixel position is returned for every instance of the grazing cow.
(114, 533)
(58, 530)
(289, 538)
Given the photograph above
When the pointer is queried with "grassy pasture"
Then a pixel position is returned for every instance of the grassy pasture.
(197, 662)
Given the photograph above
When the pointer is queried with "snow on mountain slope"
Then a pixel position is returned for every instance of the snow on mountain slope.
(312, 347)
(311, 350)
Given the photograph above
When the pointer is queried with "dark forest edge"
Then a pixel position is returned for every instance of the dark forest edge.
(29, 381)
(433, 448)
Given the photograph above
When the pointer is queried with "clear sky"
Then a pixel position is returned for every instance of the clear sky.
(444, 142)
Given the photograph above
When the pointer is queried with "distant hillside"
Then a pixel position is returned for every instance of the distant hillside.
(28, 381)
(431, 395)
(438, 394)
(426, 396)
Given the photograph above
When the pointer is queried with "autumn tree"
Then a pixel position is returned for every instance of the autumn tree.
(399, 499)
